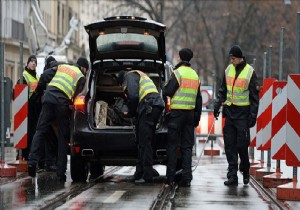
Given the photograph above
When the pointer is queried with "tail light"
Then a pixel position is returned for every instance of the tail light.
(79, 103)
(168, 104)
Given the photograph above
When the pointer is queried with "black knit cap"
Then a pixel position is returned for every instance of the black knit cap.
(236, 51)
(186, 54)
(32, 58)
(49, 59)
(83, 62)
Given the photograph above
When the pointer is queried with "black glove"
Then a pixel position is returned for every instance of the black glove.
(217, 105)
(251, 122)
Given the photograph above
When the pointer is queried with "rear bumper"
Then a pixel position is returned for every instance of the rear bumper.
(111, 146)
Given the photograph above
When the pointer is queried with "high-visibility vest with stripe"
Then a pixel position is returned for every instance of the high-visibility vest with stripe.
(146, 85)
(186, 94)
(238, 89)
(31, 81)
(66, 78)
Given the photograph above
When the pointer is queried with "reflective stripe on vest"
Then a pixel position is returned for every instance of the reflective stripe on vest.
(66, 79)
(238, 89)
(186, 94)
(146, 85)
(31, 81)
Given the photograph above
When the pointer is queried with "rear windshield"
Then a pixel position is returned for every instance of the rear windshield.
(126, 41)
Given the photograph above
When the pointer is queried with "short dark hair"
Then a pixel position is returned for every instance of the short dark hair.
(121, 76)
(83, 62)
(186, 54)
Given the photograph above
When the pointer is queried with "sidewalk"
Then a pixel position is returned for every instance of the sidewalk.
(209, 192)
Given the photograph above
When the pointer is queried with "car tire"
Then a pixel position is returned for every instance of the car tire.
(79, 169)
(96, 170)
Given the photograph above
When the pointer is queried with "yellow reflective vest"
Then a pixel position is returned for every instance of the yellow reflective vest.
(66, 79)
(146, 85)
(186, 94)
(238, 89)
(31, 81)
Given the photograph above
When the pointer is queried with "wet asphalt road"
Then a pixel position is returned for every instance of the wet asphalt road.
(118, 192)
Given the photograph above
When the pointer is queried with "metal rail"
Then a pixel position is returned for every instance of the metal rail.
(76, 190)
(165, 198)
(268, 195)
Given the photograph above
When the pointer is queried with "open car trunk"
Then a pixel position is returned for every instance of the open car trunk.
(109, 102)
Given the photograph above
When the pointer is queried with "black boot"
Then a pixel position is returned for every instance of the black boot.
(232, 181)
(246, 177)
(32, 170)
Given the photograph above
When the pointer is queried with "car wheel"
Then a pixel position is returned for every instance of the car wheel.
(96, 170)
(79, 169)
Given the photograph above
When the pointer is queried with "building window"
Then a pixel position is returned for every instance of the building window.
(18, 31)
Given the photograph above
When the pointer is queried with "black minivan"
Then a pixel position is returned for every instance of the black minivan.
(99, 135)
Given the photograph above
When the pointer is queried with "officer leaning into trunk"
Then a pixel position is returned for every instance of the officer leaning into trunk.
(65, 83)
(239, 93)
(146, 104)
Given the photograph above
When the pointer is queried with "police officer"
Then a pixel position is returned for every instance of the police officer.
(146, 104)
(239, 93)
(186, 104)
(48, 148)
(34, 106)
(64, 84)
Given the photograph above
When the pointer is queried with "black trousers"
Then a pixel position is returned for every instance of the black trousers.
(59, 115)
(146, 129)
(48, 149)
(180, 134)
(236, 142)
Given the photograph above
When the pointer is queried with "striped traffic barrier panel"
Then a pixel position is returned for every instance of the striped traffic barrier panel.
(278, 134)
(291, 190)
(20, 111)
(263, 105)
(207, 125)
(266, 124)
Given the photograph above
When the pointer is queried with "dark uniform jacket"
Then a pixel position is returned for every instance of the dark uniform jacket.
(132, 87)
(52, 94)
(172, 87)
(240, 112)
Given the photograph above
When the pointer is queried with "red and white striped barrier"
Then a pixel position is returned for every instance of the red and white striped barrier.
(20, 111)
(265, 116)
(278, 143)
(206, 122)
(293, 115)
(253, 130)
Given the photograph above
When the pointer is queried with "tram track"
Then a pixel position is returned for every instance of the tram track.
(165, 198)
(75, 190)
(268, 194)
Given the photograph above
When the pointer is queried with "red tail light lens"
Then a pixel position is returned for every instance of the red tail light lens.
(79, 103)
(168, 104)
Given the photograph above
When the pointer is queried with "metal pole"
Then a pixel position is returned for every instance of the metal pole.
(294, 174)
(269, 160)
(281, 49)
(281, 43)
(2, 99)
(298, 44)
(251, 149)
(21, 63)
(254, 63)
(265, 66)
(270, 62)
